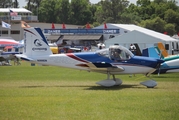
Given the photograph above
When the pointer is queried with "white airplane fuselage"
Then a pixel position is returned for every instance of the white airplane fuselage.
(64, 60)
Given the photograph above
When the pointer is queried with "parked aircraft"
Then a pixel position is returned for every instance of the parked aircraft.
(171, 63)
(6, 52)
(6, 56)
(9, 42)
(113, 61)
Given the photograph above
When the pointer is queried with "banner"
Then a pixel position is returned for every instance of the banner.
(18, 17)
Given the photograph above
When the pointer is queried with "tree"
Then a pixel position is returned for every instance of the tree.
(171, 16)
(33, 5)
(6, 3)
(64, 12)
(80, 13)
(130, 16)
(48, 11)
(170, 28)
(111, 10)
(15, 4)
(93, 8)
(156, 24)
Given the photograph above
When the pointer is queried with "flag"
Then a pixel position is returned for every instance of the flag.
(13, 13)
(53, 26)
(5, 25)
(88, 26)
(24, 25)
(165, 33)
(63, 26)
(105, 26)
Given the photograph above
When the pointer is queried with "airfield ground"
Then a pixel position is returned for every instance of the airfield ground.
(43, 92)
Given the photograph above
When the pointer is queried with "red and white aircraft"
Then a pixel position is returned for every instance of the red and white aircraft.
(9, 42)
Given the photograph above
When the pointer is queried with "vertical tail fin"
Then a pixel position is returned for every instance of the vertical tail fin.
(152, 52)
(162, 49)
(35, 43)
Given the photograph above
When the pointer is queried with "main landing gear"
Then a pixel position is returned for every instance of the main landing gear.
(110, 82)
(115, 81)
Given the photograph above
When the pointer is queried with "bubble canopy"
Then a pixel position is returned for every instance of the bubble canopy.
(116, 52)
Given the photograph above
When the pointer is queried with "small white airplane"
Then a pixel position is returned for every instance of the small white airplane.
(113, 61)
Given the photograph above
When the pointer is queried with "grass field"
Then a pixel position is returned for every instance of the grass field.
(53, 93)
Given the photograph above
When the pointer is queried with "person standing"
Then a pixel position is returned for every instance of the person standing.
(133, 49)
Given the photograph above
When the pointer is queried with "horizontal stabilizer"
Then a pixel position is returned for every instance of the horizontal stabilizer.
(23, 57)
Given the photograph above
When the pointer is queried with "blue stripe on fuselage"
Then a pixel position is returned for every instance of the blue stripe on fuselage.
(92, 57)
(136, 60)
(145, 61)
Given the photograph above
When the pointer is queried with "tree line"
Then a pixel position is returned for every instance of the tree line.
(158, 15)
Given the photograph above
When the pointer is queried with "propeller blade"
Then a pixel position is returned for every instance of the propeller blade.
(159, 72)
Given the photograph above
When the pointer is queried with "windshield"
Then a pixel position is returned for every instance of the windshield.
(103, 52)
(118, 53)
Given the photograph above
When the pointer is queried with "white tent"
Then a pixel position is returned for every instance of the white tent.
(143, 37)
(18, 10)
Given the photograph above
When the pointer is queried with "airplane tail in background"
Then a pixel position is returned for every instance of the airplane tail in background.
(35, 43)
(162, 49)
(158, 51)
(152, 52)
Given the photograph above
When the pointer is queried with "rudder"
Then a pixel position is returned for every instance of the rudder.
(162, 49)
(35, 43)
(152, 52)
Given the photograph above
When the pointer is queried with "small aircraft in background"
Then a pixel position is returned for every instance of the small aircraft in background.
(171, 63)
(6, 41)
(6, 56)
(9, 48)
(113, 61)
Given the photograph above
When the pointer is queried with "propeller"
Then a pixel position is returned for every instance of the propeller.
(160, 63)
(159, 70)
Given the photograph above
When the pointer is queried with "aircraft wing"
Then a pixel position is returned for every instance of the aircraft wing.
(102, 67)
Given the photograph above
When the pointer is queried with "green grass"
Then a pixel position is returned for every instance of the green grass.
(54, 93)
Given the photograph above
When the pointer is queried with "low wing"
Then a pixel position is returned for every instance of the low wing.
(102, 67)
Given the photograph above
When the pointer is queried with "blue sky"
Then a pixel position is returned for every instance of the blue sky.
(23, 3)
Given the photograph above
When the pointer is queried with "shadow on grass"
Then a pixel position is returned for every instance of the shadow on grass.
(41, 86)
(124, 86)
(88, 87)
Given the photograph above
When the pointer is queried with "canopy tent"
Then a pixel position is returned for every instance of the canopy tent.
(18, 10)
(142, 40)
(130, 34)
(9, 42)
(8, 47)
